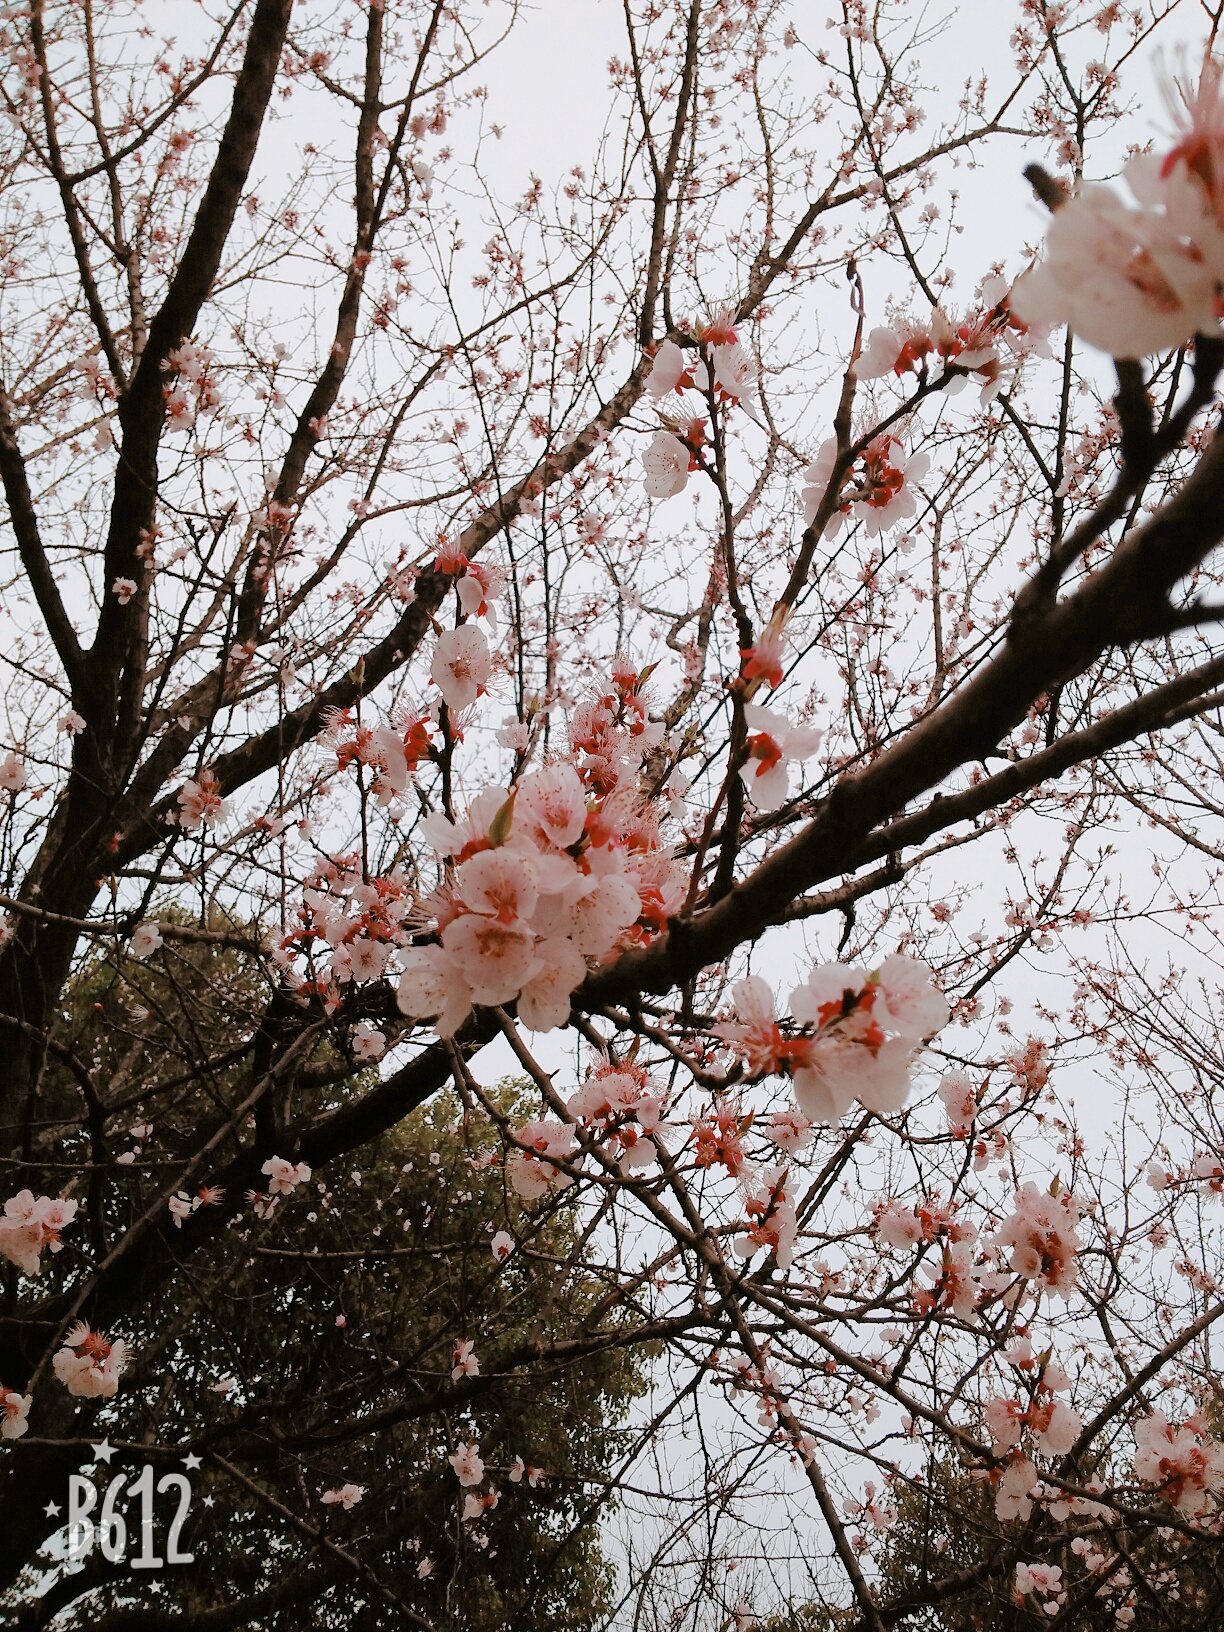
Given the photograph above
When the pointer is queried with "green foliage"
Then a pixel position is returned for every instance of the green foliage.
(314, 1347)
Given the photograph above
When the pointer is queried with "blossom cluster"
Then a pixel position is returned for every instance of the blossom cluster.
(1054, 1425)
(567, 867)
(1133, 280)
(89, 1364)
(1042, 1236)
(718, 367)
(881, 490)
(391, 752)
(853, 1035)
(1182, 1462)
(30, 1224)
(191, 389)
(971, 345)
(348, 925)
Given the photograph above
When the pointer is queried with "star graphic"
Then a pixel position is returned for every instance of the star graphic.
(208, 1501)
(51, 1509)
(190, 1461)
(103, 1452)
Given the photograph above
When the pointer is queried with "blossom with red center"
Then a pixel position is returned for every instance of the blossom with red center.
(719, 328)
(772, 1222)
(462, 665)
(763, 661)
(14, 1410)
(771, 744)
(200, 804)
(671, 370)
(533, 1171)
(718, 1140)
(1041, 1234)
(467, 1463)
(1200, 112)
(284, 1177)
(89, 1364)
(32, 1224)
(1186, 1467)
(666, 461)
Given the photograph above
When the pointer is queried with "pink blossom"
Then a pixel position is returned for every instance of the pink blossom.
(466, 1363)
(671, 370)
(881, 354)
(462, 665)
(851, 1055)
(501, 883)
(469, 1469)
(954, 1284)
(1056, 1427)
(515, 734)
(14, 1410)
(790, 1130)
(544, 1001)
(200, 803)
(772, 743)
(1004, 1420)
(519, 1469)
(284, 1177)
(12, 775)
(89, 1365)
(346, 1496)
(532, 1172)
(606, 904)
(474, 1507)
(1043, 1579)
(733, 371)
(1187, 1467)
(123, 589)
(1041, 1234)
(718, 1140)
(912, 1004)
(551, 806)
(1129, 281)
(181, 1206)
(368, 1042)
(818, 476)
(666, 462)
(495, 959)
(878, 488)
(898, 1227)
(754, 1033)
(145, 939)
(1209, 1168)
(501, 1246)
(610, 1092)
(72, 723)
(480, 588)
(764, 660)
(887, 475)
(31, 1224)
(960, 1100)
(877, 1510)
(431, 987)
(771, 1219)
(1012, 1499)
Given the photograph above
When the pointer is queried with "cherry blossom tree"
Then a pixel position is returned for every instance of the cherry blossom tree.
(738, 651)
